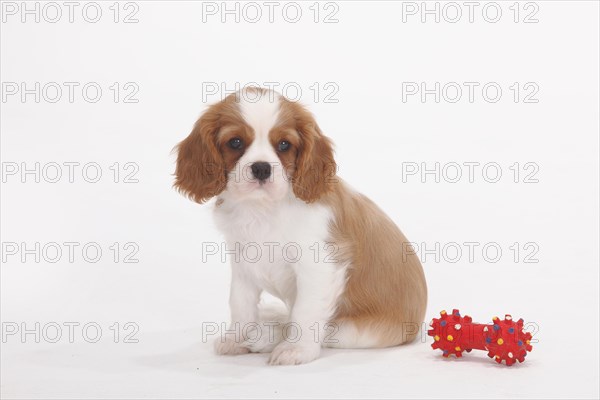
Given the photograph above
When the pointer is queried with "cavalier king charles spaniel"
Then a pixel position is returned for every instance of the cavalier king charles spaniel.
(339, 264)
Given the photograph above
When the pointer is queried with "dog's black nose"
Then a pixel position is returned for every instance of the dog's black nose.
(261, 170)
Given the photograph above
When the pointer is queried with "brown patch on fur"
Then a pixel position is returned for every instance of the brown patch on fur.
(310, 165)
(287, 158)
(386, 293)
(203, 158)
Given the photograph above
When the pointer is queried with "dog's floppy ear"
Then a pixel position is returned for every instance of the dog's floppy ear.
(200, 173)
(315, 171)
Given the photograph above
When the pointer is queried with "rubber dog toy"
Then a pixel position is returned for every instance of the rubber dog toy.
(504, 340)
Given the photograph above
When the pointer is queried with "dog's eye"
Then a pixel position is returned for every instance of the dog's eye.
(283, 146)
(236, 143)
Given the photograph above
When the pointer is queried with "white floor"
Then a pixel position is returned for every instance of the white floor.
(171, 360)
(174, 364)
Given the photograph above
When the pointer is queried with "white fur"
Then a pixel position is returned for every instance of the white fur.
(348, 336)
(261, 115)
(267, 225)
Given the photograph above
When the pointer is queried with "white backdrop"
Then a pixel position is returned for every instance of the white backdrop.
(476, 94)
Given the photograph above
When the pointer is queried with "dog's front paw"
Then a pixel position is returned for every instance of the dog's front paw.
(264, 342)
(262, 345)
(230, 347)
(286, 353)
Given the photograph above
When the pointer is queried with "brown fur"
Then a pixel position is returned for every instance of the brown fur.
(313, 174)
(203, 158)
(386, 294)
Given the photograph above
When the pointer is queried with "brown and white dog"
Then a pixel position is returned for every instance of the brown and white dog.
(331, 255)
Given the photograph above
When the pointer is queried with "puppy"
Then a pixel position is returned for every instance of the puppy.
(339, 264)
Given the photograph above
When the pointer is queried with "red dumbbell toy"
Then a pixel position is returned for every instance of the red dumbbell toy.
(504, 340)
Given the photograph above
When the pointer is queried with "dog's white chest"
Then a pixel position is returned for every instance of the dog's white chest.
(268, 243)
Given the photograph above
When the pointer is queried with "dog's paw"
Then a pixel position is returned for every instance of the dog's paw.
(263, 341)
(286, 353)
(262, 345)
(230, 347)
